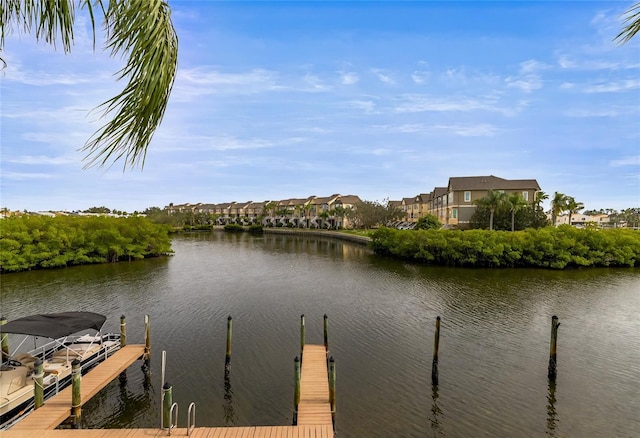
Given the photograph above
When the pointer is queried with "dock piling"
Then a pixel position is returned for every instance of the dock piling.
(38, 388)
(332, 389)
(553, 348)
(76, 395)
(167, 402)
(436, 347)
(147, 345)
(227, 359)
(123, 331)
(326, 333)
(296, 397)
(5, 340)
(301, 335)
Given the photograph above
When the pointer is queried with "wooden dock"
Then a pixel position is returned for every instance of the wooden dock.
(58, 408)
(314, 412)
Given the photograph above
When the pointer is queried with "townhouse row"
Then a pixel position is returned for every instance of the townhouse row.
(455, 203)
(311, 211)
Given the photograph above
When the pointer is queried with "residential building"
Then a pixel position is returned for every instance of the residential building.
(456, 204)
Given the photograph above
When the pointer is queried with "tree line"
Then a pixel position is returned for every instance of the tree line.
(550, 247)
(39, 242)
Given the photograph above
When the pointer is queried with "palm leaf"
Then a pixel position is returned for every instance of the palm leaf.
(139, 30)
(631, 20)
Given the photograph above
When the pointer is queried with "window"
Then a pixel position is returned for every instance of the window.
(525, 196)
(467, 196)
(454, 213)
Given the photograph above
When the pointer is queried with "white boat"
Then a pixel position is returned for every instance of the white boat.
(63, 346)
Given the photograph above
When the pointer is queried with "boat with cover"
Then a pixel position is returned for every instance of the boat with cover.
(62, 346)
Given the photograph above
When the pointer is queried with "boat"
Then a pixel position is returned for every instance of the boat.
(62, 345)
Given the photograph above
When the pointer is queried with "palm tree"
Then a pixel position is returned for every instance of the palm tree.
(558, 205)
(632, 24)
(516, 203)
(493, 201)
(573, 207)
(139, 30)
(539, 199)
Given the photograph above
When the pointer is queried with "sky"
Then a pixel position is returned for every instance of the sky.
(277, 100)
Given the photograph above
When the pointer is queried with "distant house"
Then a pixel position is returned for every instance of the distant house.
(458, 204)
(582, 220)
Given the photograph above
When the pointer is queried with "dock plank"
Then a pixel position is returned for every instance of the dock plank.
(58, 408)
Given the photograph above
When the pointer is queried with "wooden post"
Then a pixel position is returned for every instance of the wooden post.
(76, 397)
(167, 402)
(326, 333)
(301, 335)
(436, 347)
(147, 344)
(227, 358)
(296, 397)
(38, 388)
(123, 331)
(332, 389)
(552, 347)
(5, 340)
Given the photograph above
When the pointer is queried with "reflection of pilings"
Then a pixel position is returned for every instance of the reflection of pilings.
(436, 412)
(230, 417)
(551, 410)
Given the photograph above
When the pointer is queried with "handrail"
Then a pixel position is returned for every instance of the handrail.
(173, 419)
(191, 418)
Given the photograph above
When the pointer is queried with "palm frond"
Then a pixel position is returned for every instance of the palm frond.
(138, 29)
(631, 20)
(141, 29)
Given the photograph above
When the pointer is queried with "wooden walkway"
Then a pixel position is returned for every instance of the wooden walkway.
(314, 405)
(314, 411)
(58, 408)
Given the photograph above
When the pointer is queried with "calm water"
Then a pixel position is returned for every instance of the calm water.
(494, 342)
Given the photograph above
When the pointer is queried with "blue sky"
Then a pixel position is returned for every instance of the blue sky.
(276, 100)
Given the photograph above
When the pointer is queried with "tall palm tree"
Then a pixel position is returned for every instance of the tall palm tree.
(539, 199)
(573, 207)
(516, 203)
(493, 201)
(558, 205)
(632, 24)
(141, 31)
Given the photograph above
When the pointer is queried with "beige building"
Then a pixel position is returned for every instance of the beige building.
(455, 204)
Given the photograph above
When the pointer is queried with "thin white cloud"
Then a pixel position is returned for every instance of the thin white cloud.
(592, 113)
(195, 82)
(528, 78)
(420, 76)
(406, 128)
(613, 86)
(627, 161)
(349, 78)
(368, 106)
(42, 159)
(567, 62)
(383, 76)
(415, 103)
(480, 130)
(22, 176)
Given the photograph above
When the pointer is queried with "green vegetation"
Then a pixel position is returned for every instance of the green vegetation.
(41, 242)
(555, 248)
(428, 222)
(368, 214)
(235, 228)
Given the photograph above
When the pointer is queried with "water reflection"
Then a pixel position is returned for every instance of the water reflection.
(230, 417)
(436, 413)
(551, 410)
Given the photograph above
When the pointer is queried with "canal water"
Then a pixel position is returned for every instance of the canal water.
(494, 344)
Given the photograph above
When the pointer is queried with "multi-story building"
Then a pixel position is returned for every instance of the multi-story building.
(456, 204)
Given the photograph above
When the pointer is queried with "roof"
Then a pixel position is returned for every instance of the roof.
(439, 191)
(55, 325)
(491, 182)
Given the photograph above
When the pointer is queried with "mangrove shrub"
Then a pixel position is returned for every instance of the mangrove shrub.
(36, 242)
(556, 248)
